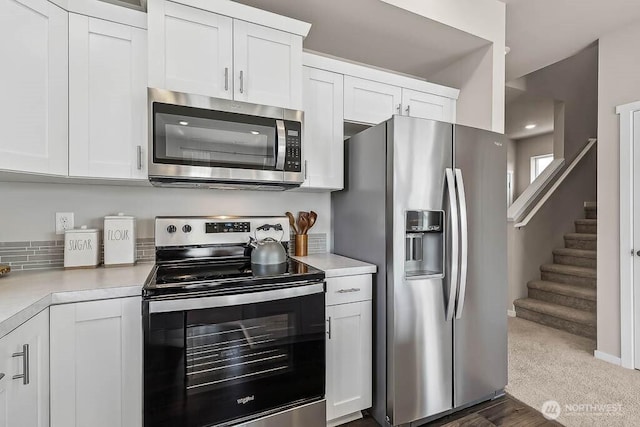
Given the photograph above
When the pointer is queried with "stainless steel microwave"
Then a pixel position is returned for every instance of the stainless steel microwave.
(197, 141)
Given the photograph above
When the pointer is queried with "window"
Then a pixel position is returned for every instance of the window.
(539, 163)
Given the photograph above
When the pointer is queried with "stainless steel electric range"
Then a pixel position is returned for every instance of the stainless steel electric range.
(227, 344)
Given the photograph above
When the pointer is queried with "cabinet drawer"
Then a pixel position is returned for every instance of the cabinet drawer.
(341, 290)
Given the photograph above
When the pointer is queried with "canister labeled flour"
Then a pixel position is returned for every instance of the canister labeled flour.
(119, 240)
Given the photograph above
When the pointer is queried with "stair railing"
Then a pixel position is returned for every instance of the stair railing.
(556, 184)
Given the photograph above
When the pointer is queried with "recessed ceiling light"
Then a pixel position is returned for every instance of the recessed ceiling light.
(531, 126)
(255, 132)
(183, 123)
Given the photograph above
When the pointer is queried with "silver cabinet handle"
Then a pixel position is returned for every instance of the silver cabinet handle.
(226, 78)
(464, 243)
(241, 82)
(408, 109)
(399, 109)
(329, 329)
(306, 168)
(139, 153)
(453, 206)
(25, 364)
(344, 291)
(1, 375)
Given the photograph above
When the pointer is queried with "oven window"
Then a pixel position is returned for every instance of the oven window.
(232, 353)
(198, 137)
(213, 366)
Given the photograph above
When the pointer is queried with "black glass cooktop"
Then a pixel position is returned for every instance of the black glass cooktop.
(223, 277)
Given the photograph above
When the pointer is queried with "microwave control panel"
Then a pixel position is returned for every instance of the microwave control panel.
(293, 156)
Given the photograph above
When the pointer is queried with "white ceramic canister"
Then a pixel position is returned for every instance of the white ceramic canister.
(119, 240)
(82, 248)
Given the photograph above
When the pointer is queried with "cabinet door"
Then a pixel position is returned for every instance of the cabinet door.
(190, 50)
(107, 99)
(323, 138)
(348, 359)
(96, 364)
(25, 401)
(267, 66)
(427, 106)
(366, 101)
(33, 84)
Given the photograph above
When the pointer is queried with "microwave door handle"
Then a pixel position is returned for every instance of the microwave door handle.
(282, 145)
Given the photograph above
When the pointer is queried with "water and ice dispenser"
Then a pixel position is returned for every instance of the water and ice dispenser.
(424, 244)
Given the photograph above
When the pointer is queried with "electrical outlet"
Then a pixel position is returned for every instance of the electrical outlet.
(64, 221)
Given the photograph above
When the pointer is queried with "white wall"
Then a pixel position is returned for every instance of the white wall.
(27, 210)
(485, 19)
(619, 83)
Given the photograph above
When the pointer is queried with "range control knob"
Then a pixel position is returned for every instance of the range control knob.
(171, 229)
(186, 228)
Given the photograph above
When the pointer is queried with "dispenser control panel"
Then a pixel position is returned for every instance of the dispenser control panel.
(424, 221)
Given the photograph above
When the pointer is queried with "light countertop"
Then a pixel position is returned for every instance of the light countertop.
(337, 265)
(25, 294)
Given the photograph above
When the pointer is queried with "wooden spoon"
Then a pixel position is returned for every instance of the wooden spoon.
(305, 215)
(292, 222)
(303, 223)
(312, 219)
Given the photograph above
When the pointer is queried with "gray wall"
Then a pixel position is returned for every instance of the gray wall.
(27, 210)
(573, 81)
(619, 83)
(525, 149)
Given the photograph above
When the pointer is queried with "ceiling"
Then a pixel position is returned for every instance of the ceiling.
(523, 109)
(542, 32)
(389, 37)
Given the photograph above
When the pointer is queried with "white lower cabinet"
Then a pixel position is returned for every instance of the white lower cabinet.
(96, 364)
(349, 341)
(24, 374)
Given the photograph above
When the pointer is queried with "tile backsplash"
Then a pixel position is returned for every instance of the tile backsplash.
(49, 254)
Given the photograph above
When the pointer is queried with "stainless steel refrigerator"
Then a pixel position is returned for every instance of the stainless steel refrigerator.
(426, 202)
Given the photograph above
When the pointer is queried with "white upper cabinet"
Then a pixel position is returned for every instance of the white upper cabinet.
(201, 52)
(33, 84)
(371, 102)
(323, 129)
(107, 99)
(267, 66)
(96, 364)
(190, 50)
(24, 352)
(427, 106)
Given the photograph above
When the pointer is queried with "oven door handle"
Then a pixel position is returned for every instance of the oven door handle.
(282, 145)
(184, 304)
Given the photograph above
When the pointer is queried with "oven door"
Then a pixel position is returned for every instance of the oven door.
(225, 359)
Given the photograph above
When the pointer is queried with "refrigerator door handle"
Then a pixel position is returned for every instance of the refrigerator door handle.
(464, 243)
(453, 205)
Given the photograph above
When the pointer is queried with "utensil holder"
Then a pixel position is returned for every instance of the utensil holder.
(302, 241)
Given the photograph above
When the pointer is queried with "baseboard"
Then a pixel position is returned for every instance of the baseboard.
(607, 357)
(511, 313)
(344, 419)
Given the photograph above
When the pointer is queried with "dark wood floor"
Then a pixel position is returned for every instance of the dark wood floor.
(505, 411)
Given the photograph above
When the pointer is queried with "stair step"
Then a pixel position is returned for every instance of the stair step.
(586, 226)
(573, 296)
(576, 257)
(569, 319)
(590, 210)
(581, 241)
(569, 274)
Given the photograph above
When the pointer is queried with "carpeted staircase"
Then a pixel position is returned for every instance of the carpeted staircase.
(565, 297)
